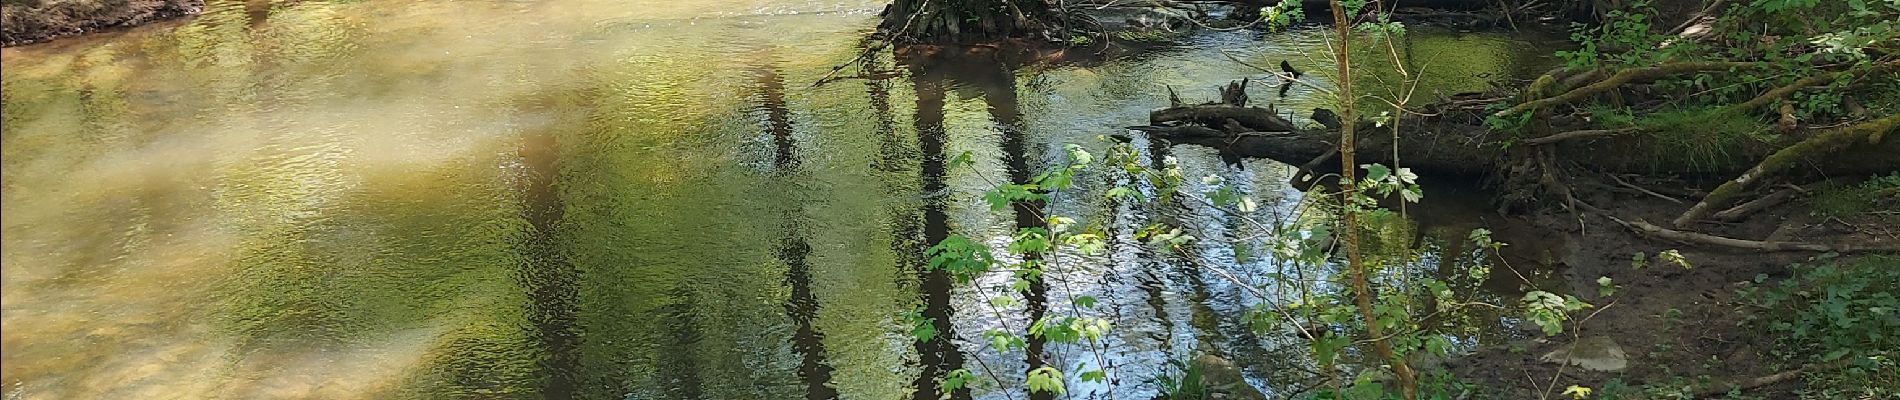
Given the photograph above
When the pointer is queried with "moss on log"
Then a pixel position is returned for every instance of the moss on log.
(1832, 144)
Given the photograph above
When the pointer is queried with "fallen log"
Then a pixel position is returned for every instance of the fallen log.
(1444, 146)
(1253, 118)
(1833, 144)
(1742, 211)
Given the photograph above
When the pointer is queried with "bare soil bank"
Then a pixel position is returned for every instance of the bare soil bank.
(34, 21)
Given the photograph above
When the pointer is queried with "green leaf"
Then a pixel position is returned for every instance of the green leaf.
(1077, 156)
(1576, 392)
(1085, 301)
(1045, 380)
(963, 258)
(960, 160)
(951, 382)
(1094, 376)
(1030, 241)
(1003, 341)
(1376, 172)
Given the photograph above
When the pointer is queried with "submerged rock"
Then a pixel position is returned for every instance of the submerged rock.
(1595, 353)
(1224, 380)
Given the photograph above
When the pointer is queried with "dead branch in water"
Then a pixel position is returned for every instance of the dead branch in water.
(1253, 118)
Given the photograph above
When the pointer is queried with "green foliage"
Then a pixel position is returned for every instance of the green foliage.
(953, 381)
(1384, 181)
(1549, 311)
(922, 328)
(1836, 310)
(1182, 381)
(962, 257)
(1624, 39)
(1046, 380)
(1612, 117)
(1790, 39)
(1279, 16)
(1004, 195)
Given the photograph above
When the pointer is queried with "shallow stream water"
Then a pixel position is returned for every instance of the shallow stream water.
(602, 199)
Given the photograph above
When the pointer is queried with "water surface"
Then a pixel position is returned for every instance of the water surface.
(595, 199)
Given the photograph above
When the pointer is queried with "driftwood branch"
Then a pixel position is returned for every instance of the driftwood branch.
(1658, 232)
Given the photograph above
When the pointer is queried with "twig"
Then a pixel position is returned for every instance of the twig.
(1282, 76)
(1620, 181)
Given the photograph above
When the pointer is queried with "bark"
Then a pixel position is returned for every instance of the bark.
(1583, 134)
(1362, 287)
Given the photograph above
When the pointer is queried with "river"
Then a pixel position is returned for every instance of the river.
(599, 199)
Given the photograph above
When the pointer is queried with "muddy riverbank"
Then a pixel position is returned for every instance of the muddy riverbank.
(34, 21)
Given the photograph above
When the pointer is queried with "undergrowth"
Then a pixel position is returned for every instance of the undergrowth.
(1699, 139)
(1841, 318)
(1878, 194)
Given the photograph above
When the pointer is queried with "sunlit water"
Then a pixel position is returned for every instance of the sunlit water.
(594, 199)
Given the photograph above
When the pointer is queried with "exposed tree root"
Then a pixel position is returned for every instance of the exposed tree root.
(1621, 78)
(1813, 148)
(1583, 134)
